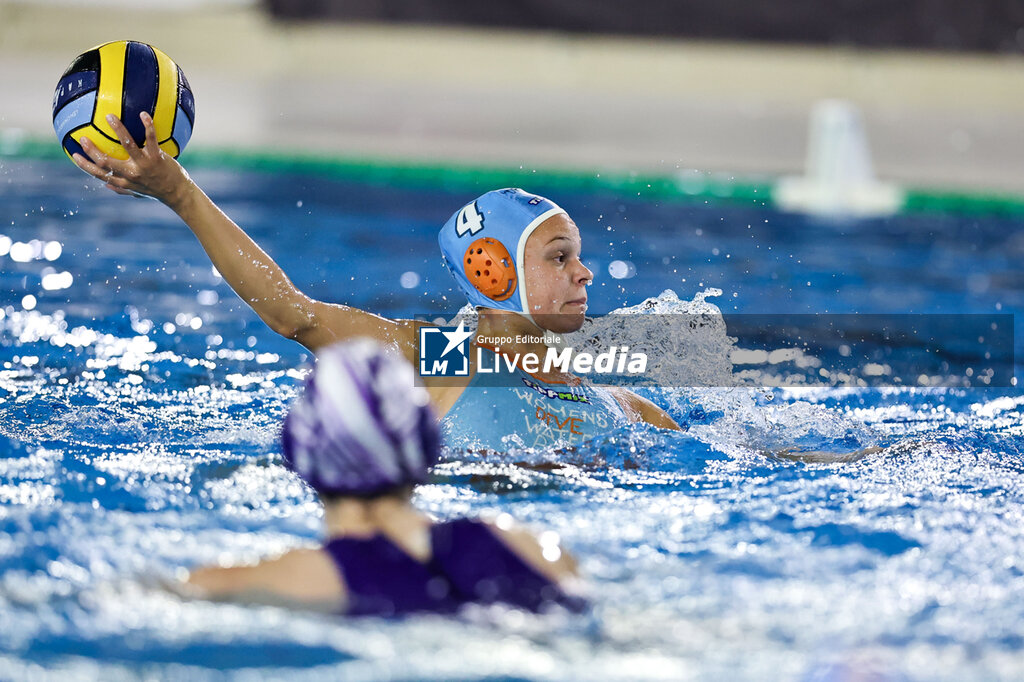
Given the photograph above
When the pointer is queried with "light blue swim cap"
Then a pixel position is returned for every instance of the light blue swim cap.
(361, 427)
(483, 245)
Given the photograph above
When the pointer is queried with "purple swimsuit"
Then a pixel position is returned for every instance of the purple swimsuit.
(468, 564)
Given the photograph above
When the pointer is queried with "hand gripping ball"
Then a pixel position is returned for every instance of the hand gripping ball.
(123, 78)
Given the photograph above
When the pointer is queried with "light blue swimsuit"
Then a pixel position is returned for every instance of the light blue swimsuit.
(502, 411)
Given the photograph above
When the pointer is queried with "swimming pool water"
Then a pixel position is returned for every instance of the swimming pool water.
(140, 404)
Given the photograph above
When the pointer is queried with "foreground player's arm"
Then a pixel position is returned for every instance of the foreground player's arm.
(640, 409)
(303, 577)
(253, 274)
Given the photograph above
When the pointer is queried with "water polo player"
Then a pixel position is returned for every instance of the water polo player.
(362, 435)
(536, 281)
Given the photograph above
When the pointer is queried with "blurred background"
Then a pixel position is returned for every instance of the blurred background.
(650, 86)
(157, 394)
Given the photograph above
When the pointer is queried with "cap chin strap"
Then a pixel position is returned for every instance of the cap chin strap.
(532, 321)
(521, 260)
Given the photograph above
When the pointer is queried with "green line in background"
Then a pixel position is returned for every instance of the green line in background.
(478, 178)
(919, 201)
(682, 186)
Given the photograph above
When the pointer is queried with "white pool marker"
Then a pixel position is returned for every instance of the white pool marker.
(838, 177)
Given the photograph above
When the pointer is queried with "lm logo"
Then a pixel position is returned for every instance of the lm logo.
(444, 351)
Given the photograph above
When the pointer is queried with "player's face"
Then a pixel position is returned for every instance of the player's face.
(556, 278)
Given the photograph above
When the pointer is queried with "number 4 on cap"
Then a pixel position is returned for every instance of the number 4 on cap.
(469, 220)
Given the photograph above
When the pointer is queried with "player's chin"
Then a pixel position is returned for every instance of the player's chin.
(562, 323)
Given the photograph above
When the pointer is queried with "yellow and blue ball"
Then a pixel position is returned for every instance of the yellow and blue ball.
(123, 78)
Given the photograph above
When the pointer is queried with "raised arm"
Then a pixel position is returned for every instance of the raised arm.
(253, 275)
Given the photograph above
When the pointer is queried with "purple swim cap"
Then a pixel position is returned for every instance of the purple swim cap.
(361, 427)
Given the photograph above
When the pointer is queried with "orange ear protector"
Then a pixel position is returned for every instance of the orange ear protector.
(490, 268)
